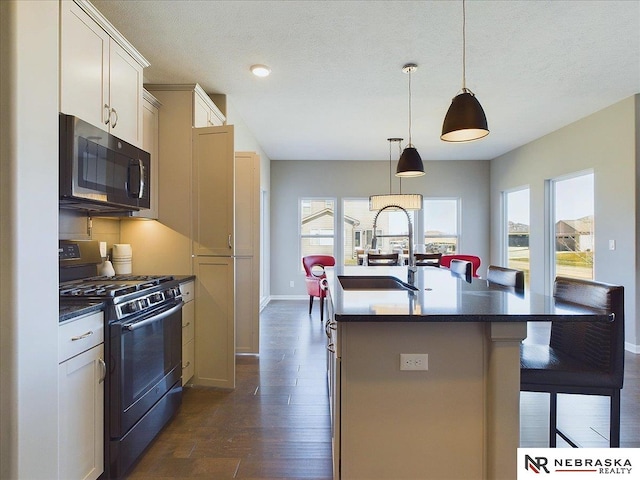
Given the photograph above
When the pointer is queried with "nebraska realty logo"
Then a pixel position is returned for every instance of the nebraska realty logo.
(581, 463)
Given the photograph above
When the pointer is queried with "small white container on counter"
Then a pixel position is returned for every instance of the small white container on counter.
(121, 258)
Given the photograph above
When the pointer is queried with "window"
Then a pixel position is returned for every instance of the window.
(573, 225)
(441, 225)
(516, 230)
(316, 226)
(391, 230)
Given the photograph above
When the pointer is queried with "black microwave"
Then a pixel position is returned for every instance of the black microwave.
(99, 172)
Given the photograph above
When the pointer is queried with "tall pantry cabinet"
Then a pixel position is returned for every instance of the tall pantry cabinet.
(203, 224)
(247, 214)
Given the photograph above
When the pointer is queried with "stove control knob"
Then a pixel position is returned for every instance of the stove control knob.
(130, 307)
(156, 297)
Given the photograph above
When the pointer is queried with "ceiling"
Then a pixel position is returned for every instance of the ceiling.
(337, 90)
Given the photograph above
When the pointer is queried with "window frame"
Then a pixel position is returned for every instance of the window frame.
(551, 237)
(422, 226)
(302, 236)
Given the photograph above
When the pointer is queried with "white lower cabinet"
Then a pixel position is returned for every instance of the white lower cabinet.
(188, 323)
(81, 373)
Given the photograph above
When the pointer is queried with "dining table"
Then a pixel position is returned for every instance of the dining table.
(458, 415)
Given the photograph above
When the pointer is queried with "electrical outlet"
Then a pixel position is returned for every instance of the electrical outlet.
(414, 361)
(291, 283)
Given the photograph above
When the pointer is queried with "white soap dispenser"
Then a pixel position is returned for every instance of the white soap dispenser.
(106, 269)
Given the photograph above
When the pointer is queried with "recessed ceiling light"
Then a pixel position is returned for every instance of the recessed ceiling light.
(260, 70)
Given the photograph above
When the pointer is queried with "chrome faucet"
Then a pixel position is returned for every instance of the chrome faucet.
(411, 269)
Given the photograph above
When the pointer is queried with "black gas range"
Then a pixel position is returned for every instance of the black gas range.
(124, 295)
(143, 349)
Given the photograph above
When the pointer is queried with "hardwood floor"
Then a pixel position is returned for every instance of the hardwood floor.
(275, 424)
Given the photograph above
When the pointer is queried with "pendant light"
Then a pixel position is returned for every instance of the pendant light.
(407, 201)
(465, 120)
(410, 163)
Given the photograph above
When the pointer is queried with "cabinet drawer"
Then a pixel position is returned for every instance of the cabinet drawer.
(188, 291)
(79, 335)
(187, 362)
(188, 315)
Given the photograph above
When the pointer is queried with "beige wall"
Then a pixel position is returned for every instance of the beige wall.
(29, 239)
(292, 180)
(606, 142)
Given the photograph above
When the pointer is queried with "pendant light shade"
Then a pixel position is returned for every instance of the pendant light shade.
(408, 201)
(410, 163)
(465, 120)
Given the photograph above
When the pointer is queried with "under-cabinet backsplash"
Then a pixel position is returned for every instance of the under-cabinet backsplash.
(73, 225)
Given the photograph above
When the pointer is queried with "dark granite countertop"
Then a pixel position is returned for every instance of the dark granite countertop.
(444, 297)
(184, 278)
(70, 310)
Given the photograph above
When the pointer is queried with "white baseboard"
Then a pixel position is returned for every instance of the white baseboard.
(264, 302)
(289, 297)
(630, 347)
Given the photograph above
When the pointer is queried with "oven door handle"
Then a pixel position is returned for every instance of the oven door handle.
(154, 318)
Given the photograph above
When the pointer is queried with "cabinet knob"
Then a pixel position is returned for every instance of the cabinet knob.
(106, 117)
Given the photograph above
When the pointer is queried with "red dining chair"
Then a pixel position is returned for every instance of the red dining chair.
(314, 271)
(445, 261)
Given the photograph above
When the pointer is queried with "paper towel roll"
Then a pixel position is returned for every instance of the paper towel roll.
(121, 250)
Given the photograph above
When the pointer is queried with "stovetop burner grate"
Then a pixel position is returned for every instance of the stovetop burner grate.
(119, 285)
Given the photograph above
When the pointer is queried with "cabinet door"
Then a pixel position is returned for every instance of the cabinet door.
(84, 66)
(213, 187)
(125, 95)
(214, 335)
(200, 112)
(188, 363)
(247, 305)
(247, 203)
(150, 128)
(81, 415)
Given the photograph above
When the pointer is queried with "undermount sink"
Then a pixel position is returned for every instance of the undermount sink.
(372, 282)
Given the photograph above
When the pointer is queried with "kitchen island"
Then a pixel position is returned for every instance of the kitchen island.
(457, 417)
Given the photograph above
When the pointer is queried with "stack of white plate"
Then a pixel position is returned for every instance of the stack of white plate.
(121, 258)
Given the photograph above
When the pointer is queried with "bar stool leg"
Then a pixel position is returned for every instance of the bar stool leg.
(553, 418)
(614, 419)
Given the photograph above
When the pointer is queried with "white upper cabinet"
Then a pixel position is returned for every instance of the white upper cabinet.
(205, 112)
(150, 143)
(100, 73)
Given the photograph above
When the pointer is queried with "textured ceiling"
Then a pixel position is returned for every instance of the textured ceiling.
(337, 90)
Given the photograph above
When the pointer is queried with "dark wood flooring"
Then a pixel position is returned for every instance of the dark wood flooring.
(275, 424)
